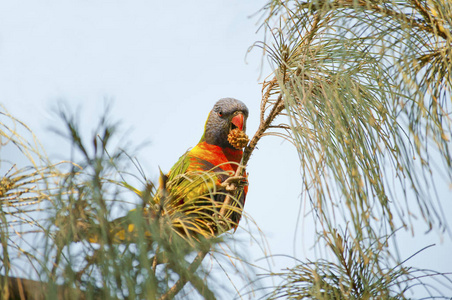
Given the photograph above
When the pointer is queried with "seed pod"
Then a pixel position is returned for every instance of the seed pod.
(238, 139)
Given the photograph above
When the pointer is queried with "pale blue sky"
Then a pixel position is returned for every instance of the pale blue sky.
(164, 64)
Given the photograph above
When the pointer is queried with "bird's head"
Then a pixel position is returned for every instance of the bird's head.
(227, 114)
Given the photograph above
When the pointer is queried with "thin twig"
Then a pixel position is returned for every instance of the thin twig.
(277, 108)
(183, 279)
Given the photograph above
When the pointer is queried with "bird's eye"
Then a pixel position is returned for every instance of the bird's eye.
(220, 113)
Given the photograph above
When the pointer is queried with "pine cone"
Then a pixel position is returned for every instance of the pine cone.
(238, 139)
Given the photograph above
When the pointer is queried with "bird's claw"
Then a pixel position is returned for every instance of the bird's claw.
(234, 182)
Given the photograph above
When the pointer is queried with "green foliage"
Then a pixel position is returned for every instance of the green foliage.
(366, 89)
(356, 102)
(351, 273)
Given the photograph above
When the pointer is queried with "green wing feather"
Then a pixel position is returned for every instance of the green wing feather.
(190, 196)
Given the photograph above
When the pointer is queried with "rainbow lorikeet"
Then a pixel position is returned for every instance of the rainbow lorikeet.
(205, 172)
(203, 182)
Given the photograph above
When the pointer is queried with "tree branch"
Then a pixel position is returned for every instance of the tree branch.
(177, 287)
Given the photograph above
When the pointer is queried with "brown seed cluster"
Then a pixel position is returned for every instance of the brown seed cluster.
(238, 139)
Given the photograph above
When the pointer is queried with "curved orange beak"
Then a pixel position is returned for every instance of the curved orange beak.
(238, 120)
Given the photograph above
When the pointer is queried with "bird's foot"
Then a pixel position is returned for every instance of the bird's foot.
(234, 182)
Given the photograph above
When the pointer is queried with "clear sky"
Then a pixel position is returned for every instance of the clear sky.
(163, 64)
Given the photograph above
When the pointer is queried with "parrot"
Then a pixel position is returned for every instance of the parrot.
(216, 158)
(203, 182)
